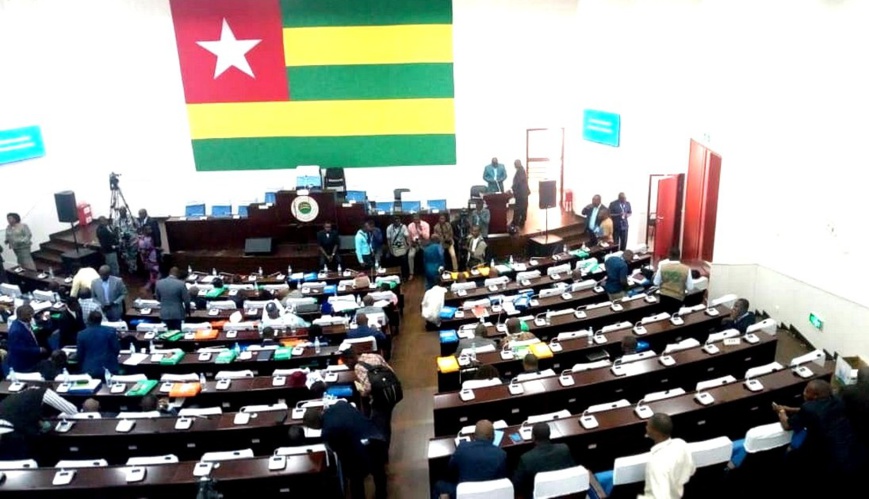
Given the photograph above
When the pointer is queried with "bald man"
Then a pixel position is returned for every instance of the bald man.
(831, 450)
(474, 461)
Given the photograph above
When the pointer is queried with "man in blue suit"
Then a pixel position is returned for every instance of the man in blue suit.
(98, 347)
(475, 461)
(620, 210)
(494, 174)
(24, 349)
(740, 317)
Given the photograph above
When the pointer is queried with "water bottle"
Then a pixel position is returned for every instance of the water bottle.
(591, 339)
(289, 271)
(492, 263)
(12, 376)
(358, 301)
(108, 376)
(132, 349)
(317, 345)
(565, 248)
(259, 271)
(511, 259)
(201, 382)
(51, 272)
(189, 270)
(65, 376)
(339, 268)
(151, 346)
(325, 269)
(213, 271)
(236, 348)
(474, 351)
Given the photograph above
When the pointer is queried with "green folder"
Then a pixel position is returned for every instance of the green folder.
(283, 353)
(142, 388)
(171, 335)
(225, 357)
(579, 253)
(214, 293)
(171, 360)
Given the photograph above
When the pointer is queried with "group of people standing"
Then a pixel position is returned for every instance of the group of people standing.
(136, 240)
(608, 224)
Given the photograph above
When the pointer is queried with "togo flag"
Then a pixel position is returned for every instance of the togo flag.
(336, 83)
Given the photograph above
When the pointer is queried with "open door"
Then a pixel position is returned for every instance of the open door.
(701, 203)
(666, 227)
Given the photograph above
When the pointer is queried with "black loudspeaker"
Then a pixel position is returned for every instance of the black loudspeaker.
(546, 190)
(258, 246)
(65, 202)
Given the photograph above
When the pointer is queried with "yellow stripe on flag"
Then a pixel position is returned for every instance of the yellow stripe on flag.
(321, 118)
(368, 45)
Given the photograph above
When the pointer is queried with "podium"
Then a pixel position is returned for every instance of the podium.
(497, 203)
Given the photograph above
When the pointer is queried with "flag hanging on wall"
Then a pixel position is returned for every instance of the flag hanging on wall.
(336, 83)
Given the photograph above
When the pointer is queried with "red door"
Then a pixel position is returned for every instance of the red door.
(665, 216)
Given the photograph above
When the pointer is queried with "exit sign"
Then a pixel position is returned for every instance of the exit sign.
(816, 321)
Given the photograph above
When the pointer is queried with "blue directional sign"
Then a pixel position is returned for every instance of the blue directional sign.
(601, 127)
(19, 144)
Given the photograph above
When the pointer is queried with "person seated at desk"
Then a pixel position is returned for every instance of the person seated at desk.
(475, 461)
(670, 464)
(277, 317)
(329, 243)
(516, 336)
(51, 367)
(98, 347)
(368, 307)
(486, 375)
(740, 317)
(151, 403)
(363, 330)
(21, 419)
(478, 340)
(545, 456)
(531, 369)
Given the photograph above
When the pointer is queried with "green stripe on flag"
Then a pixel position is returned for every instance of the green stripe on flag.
(316, 13)
(357, 151)
(371, 81)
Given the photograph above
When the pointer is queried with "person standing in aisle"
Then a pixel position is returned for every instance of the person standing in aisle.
(520, 192)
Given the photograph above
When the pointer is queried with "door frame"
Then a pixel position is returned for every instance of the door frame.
(680, 199)
(529, 159)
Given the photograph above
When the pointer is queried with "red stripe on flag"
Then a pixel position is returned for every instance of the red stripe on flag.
(218, 59)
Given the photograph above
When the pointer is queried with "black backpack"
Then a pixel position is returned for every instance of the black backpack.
(386, 389)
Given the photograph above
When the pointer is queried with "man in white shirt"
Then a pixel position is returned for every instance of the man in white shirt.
(476, 248)
(670, 464)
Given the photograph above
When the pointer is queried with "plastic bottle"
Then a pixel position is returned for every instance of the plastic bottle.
(492, 263)
(259, 271)
(151, 346)
(12, 376)
(236, 348)
(189, 270)
(317, 344)
(474, 351)
(202, 382)
(511, 259)
(213, 271)
(339, 268)
(325, 269)
(51, 272)
(107, 375)
(65, 375)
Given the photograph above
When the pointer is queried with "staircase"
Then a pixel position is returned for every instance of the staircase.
(49, 253)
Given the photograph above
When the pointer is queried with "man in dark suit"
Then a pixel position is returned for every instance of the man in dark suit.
(360, 446)
(146, 221)
(591, 214)
(620, 210)
(545, 456)
(21, 419)
(24, 349)
(475, 461)
(520, 191)
(329, 243)
(110, 292)
(109, 242)
(98, 347)
(174, 299)
(856, 400)
(740, 317)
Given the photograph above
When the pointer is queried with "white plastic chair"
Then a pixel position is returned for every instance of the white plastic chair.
(569, 335)
(550, 416)
(230, 455)
(559, 483)
(222, 305)
(814, 356)
(239, 326)
(630, 469)
(81, 463)
(21, 464)
(528, 275)
(726, 300)
(472, 384)
(151, 460)
(349, 342)
(145, 327)
(529, 376)
(558, 269)
(281, 406)
(200, 411)
(712, 383)
(633, 357)
(583, 285)
(300, 450)
(179, 378)
(665, 394)
(74, 378)
(710, 452)
(763, 370)
(682, 345)
(766, 437)
(256, 304)
(138, 415)
(768, 326)
(234, 374)
(492, 489)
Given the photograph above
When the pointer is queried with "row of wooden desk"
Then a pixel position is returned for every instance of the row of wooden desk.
(621, 432)
(659, 334)
(597, 386)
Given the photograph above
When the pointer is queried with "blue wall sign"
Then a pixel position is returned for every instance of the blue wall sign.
(601, 127)
(19, 144)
